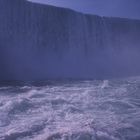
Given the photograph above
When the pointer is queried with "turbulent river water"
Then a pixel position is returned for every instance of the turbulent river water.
(71, 110)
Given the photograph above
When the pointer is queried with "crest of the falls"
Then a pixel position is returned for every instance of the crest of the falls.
(40, 42)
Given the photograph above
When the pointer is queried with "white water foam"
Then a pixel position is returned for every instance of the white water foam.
(71, 110)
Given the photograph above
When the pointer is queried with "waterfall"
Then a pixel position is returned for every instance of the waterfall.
(39, 42)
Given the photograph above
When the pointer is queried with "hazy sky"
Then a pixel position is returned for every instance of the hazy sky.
(119, 8)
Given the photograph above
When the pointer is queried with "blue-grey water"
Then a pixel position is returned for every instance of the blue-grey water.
(71, 110)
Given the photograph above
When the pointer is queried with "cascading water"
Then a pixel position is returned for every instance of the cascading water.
(39, 43)
(51, 43)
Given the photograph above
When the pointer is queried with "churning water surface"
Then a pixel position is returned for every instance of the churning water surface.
(71, 110)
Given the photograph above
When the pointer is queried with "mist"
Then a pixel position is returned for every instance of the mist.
(40, 42)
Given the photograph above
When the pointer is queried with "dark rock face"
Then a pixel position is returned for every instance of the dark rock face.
(40, 42)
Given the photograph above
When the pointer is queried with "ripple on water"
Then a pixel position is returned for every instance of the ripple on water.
(71, 110)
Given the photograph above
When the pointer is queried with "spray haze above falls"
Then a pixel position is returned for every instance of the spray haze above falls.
(56, 43)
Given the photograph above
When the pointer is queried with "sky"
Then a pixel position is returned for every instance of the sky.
(113, 8)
